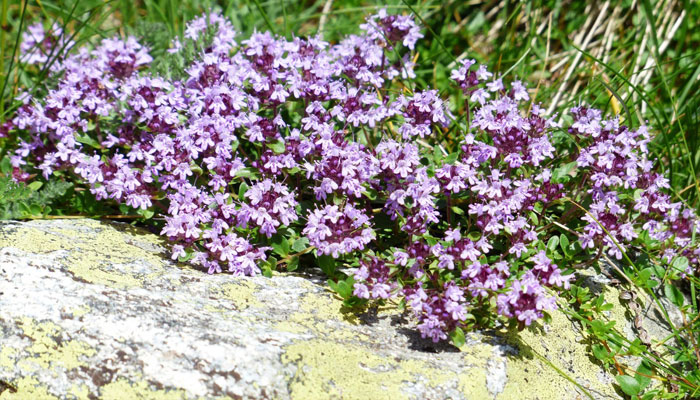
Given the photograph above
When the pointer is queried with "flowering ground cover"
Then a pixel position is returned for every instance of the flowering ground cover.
(470, 202)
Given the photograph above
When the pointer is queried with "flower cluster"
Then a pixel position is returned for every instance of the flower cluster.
(628, 196)
(39, 46)
(268, 141)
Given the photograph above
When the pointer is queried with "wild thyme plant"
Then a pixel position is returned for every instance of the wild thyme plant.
(262, 153)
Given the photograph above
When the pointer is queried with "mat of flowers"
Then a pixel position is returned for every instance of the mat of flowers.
(468, 204)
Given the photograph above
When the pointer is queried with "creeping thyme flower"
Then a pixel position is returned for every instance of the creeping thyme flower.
(269, 205)
(372, 280)
(272, 140)
(420, 112)
(334, 231)
(392, 29)
(39, 44)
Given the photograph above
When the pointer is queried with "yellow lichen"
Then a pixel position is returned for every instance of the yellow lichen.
(80, 311)
(92, 253)
(79, 391)
(561, 347)
(241, 293)
(46, 352)
(322, 313)
(28, 388)
(7, 357)
(332, 370)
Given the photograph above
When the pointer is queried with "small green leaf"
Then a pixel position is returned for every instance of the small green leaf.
(474, 236)
(628, 384)
(186, 257)
(345, 288)
(644, 276)
(636, 347)
(278, 146)
(280, 245)
(196, 169)
(601, 353)
(553, 243)
(267, 269)
(147, 213)
(564, 243)
(601, 329)
(451, 158)
(6, 166)
(437, 155)
(85, 139)
(644, 372)
(300, 244)
(293, 264)
(680, 264)
(248, 172)
(327, 264)
(34, 186)
(457, 337)
(564, 173)
(457, 210)
(35, 209)
(242, 189)
(370, 194)
(674, 294)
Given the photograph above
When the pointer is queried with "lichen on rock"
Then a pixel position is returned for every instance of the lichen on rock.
(91, 309)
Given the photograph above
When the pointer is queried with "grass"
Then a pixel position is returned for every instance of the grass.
(639, 59)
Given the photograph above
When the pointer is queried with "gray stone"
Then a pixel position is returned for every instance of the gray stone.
(91, 309)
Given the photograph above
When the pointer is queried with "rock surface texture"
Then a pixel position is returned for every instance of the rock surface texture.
(91, 309)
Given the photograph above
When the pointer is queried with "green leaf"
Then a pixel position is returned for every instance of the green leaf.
(601, 329)
(248, 172)
(327, 264)
(370, 194)
(242, 189)
(644, 369)
(278, 146)
(601, 353)
(674, 294)
(680, 264)
(628, 384)
(85, 139)
(188, 256)
(35, 209)
(457, 337)
(267, 267)
(637, 347)
(563, 173)
(300, 244)
(6, 166)
(474, 236)
(196, 169)
(644, 276)
(124, 209)
(344, 288)
(293, 264)
(564, 243)
(34, 186)
(147, 213)
(451, 158)
(457, 210)
(553, 243)
(280, 245)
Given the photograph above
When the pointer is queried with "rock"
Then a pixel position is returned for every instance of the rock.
(91, 309)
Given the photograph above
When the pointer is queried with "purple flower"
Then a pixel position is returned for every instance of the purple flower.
(334, 231)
